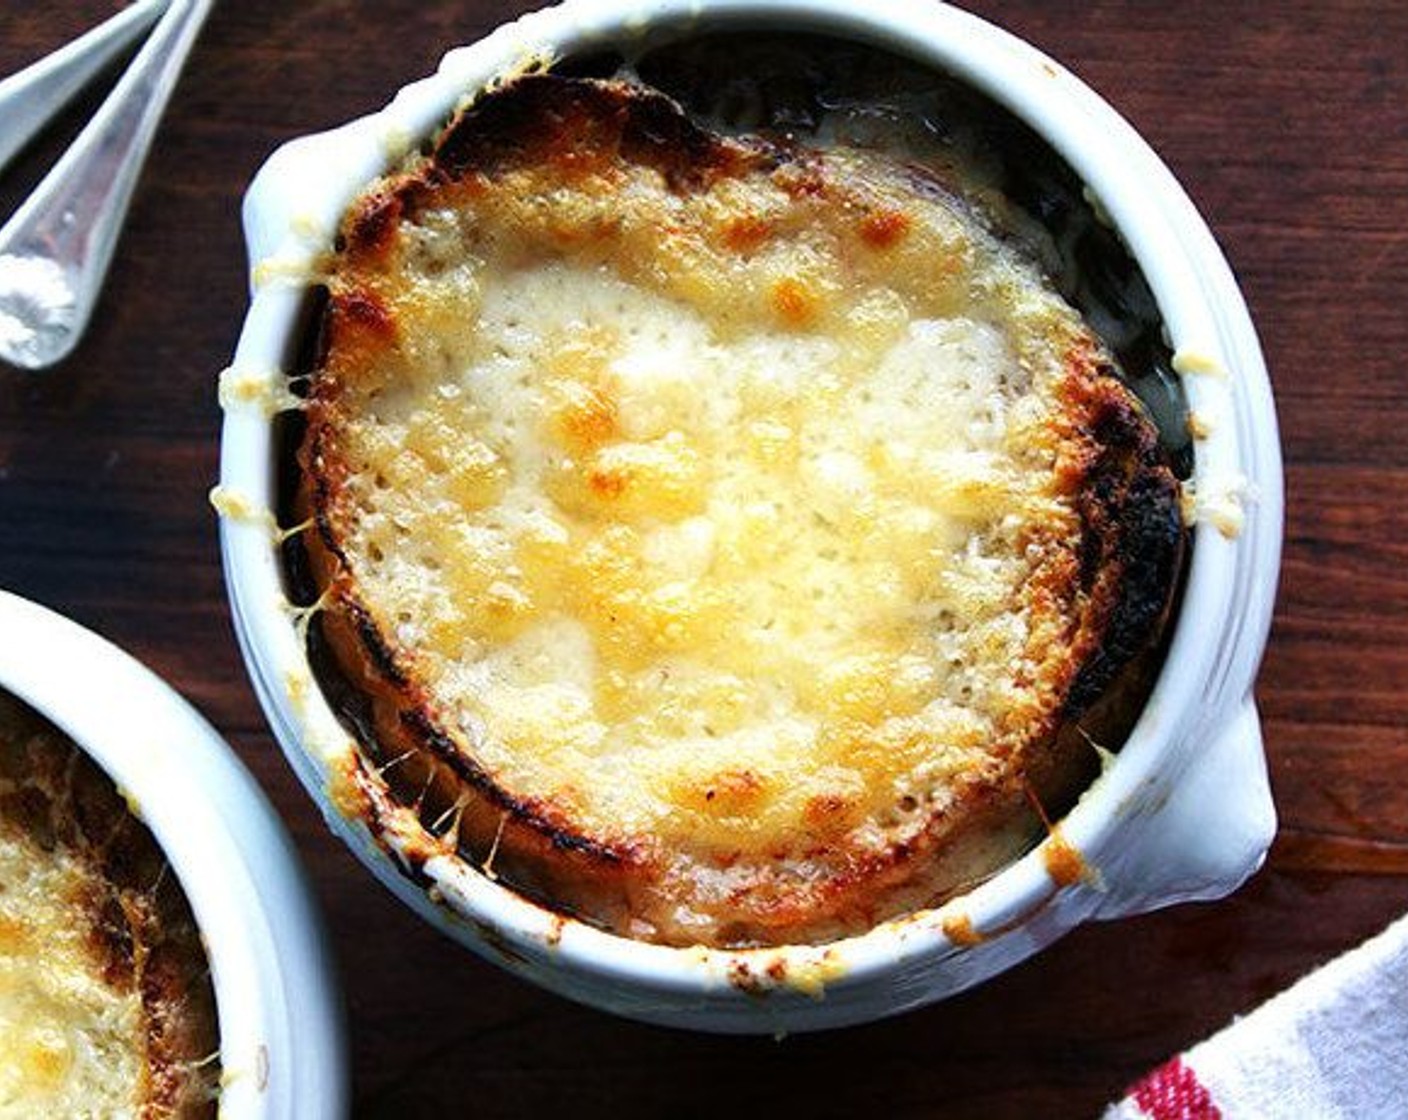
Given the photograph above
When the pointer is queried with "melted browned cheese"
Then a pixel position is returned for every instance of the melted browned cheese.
(712, 512)
(105, 1008)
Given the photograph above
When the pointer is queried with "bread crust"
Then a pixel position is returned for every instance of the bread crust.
(1108, 591)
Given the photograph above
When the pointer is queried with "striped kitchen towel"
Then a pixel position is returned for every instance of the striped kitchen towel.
(1332, 1047)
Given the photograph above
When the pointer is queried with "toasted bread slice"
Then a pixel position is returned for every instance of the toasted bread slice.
(719, 538)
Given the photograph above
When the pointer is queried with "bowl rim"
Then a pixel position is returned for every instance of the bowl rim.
(278, 1008)
(1230, 585)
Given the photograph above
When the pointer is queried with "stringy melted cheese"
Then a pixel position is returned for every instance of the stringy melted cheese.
(70, 1041)
(708, 520)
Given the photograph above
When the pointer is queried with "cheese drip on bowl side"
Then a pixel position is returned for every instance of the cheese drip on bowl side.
(730, 531)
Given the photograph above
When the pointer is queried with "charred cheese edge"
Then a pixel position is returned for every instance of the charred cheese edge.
(105, 1008)
(719, 538)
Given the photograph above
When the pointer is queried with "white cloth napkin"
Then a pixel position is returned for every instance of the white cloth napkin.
(1332, 1047)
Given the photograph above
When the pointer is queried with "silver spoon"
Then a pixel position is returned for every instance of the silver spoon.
(29, 99)
(55, 251)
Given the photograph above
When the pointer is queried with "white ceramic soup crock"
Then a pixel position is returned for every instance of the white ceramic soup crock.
(279, 1013)
(1182, 813)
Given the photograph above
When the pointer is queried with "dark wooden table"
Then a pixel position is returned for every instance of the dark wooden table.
(1287, 122)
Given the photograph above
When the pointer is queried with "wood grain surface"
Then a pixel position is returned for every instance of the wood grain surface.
(1288, 124)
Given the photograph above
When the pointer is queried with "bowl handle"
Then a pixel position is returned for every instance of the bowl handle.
(1208, 835)
(271, 203)
(289, 210)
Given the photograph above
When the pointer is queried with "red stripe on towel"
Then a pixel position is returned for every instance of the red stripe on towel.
(1173, 1092)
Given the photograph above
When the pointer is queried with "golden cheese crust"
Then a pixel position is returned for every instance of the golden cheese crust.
(106, 1006)
(727, 541)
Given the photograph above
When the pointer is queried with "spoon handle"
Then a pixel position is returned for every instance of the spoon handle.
(55, 251)
(31, 98)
